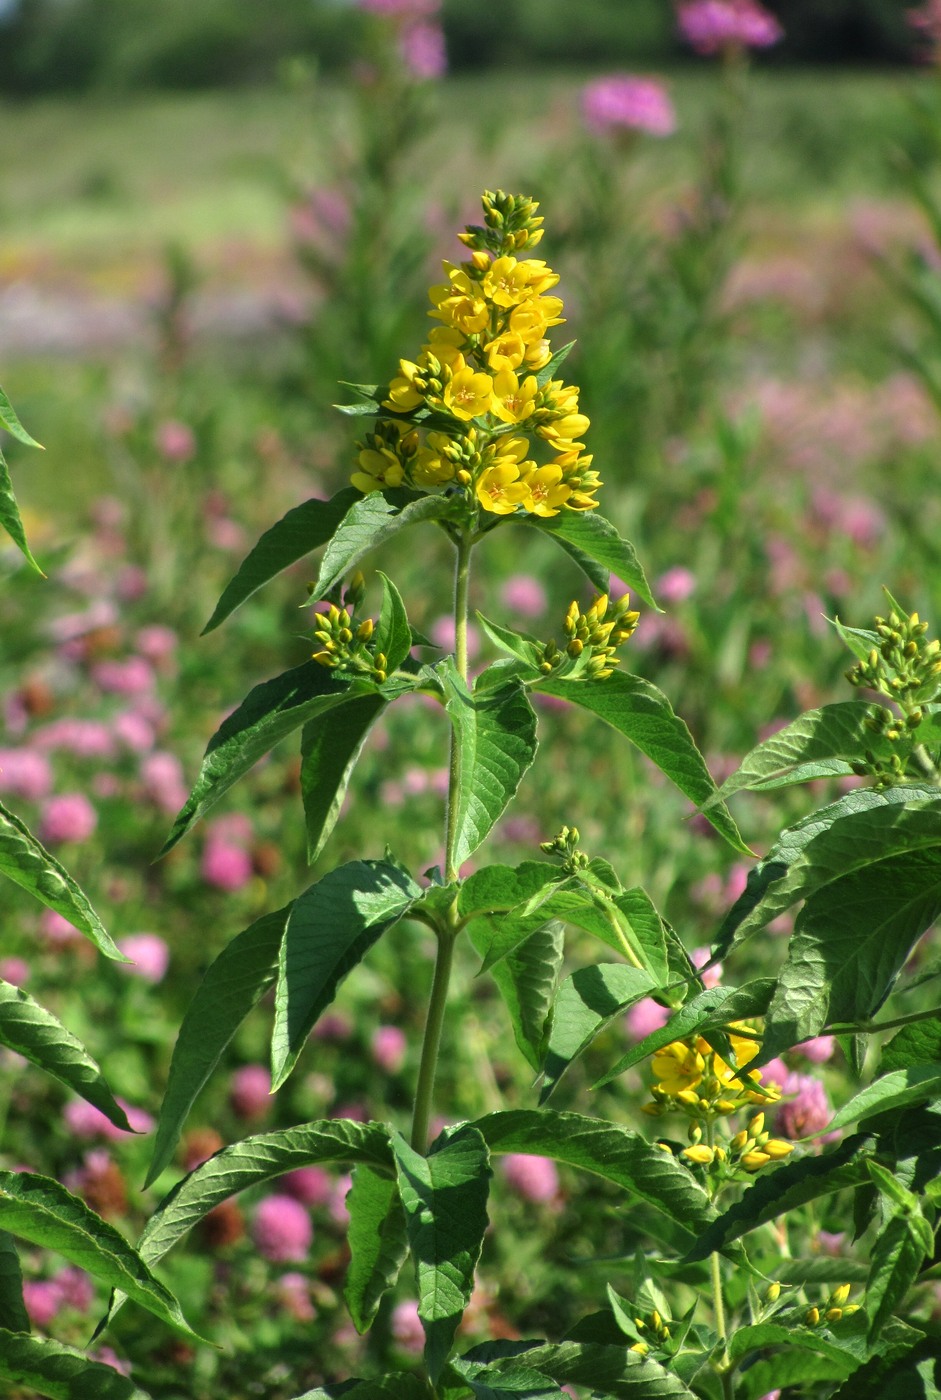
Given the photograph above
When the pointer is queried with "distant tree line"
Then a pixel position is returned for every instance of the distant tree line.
(51, 46)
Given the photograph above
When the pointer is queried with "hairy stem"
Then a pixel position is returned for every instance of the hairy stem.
(464, 546)
(424, 1089)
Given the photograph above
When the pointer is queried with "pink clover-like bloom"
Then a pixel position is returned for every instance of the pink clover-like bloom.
(622, 102)
(534, 1178)
(68, 817)
(712, 26)
(149, 954)
(282, 1230)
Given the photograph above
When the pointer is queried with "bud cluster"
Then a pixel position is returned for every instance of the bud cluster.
(345, 643)
(565, 846)
(654, 1327)
(592, 639)
(833, 1309)
(511, 225)
(905, 666)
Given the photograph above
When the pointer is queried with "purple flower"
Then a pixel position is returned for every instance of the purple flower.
(250, 1091)
(69, 817)
(622, 102)
(225, 866)
(533, 1178)
(422, 50)
(524, 595)
(311, 1185)
(712, 26)
(25, 773)
(406, 1327)
(175, 441)
(645, 1017)
(282, 1230)
(388, 1046)
(676, 585)
(15, 971)
(808, 1111)
(149, 956)
(43, 1300)
(819, 1050)
(133, 676)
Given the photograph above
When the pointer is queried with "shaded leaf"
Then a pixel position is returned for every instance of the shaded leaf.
(10, 517)
(606, 1370)
(496, 737)
(378, 1243)
(369, 522)
(897, 1256)
(329, 929)
(585, 1004)
(748, 1339)
(527, 980)
(37, 1209)
(330, 750)
(401, 1385)
(61, 1372)
(914, 1376)
(24, 861)
(595, 536)
(914, 1084)
(500, 888)
(393, 635)
(40, 1037)
(303, 529)
(13, 1314)
(915, 1044)
(643, 714)
(445, 1201)
(233, 984)
(519, 644)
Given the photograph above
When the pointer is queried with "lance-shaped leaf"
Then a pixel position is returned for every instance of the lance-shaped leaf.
(369, 522)
(605, 1370)
(234, 983)
(916, 1044)
(790, 1185)
(35, 1033)
(10, 517)
(24, 861)
(11, 423)
(40, 1210)
(910, 1376)
(643, 714)
(595, 536)
(767, 1334)
(510, 1378)
(303, 529)
(851, 939)
(445, 1201)
(900, 1089)
(330, 750)
(519, 645)
(712, 1010)
(267, 715)
(527, 980)
(13, 1314)
(609, 1151)
(552, 366)
(495, 731)
(897, 1256)
(393, 635)
(498, 889)
(378, 1243)
(586, 1002)
(60, 1372)
(840, 732)
(329, 930)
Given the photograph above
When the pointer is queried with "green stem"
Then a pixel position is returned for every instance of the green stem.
(723, 1368)
(447, 929)
(872, 1027)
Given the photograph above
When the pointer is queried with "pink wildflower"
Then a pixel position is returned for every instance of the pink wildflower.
(423, 52)
(69, 817)
(524, 595)
(621, 102)
(388, 1047)
(808, 1112)
(25, 773)
(293, 1292)
(282, 1230)
(819, 1050)
(149, 956)
(699, 957)
(676, 585)
(406, 1327)
(711, 26)
(402, 9)
(442, 634)
(132, 730)
(57, 929)
(250, 1091)
(225, 866)
(534, 1178)
(133, 676)
(175, 441)
(156, 642)
(15, 971)
(85, 738)
(339, 1212)
(43, 1301)
(312, 1186)
(162, 776)
(645, 1017)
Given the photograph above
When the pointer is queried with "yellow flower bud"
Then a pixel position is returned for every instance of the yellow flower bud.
(640, 1347)
(773, 1293)
(833, 1314)
(777, 1148)
(812, 1317)
(700, 1154)
(757, 1124)
(754, 1161)
(839, 1295)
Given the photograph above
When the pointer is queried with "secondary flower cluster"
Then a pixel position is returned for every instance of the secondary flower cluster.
(592, 641)
(476, 389)
(345, 643)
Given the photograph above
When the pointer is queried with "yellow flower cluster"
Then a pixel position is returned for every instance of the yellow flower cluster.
(477, 384)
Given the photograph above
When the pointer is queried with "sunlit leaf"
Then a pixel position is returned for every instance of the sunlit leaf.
(330, 750)
(901, 1088)
(61, 1372)
(369, 522)
(378, 1243)
(586, 1002)
(527, 980)
(595, 536)
(393, 635)
(899, 1250)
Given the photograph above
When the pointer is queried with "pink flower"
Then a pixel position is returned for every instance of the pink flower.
(15, 971)
(699, 957)
(133, 676)
(333, 1028)
(132, 730)
(76, 1289)
(710, 26)
(250, 1091)
(388, 1047)
(533, 1178)
(86, 738)
(339, 1213)
(311, 1185)
(156, 642)
(69, 817)
(423, 52)
(401, 9)
(293, 1292)
(149, 956)
(282, 1230)
(162, 776)
(57, 929)
(808, 1112)
(645, 1017)
(625, 103)
(406, 1327)
(524, 595)
(225, 866)
(25, 773)
(43, 1300)
(86, 1121)
(175, 441)
(676, 585)
(818, 1050)
(442, 634)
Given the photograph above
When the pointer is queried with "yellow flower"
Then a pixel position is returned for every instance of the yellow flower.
(459, 304)
(677, 1067)
(547, 491)
(500, 489)
(468, 393)
(431, 469)
(446, 344)
(507, 282)
(377, 470)
(506, 351)
(512, 401)
(531, 319)
(699, 1154)
(561, 435)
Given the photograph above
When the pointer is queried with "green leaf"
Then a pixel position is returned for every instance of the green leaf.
(915, 1044)
(765, 1334)
(851, 940)
(916, 1375)
(10, 517)
(552, 366)
(13, 1314)
(495, 732)
(789, 1368)
(40, 1037)
(61, 1372)
(790, 1185)
(12, 424)
(606, 1370)
(643, 714)
(527, 980)
(330, 750)
(609, 1151)
(915, 1084)
(393, 635)
(233, 984)
(401, 1385)
(859, 640)
(497, 889)
(369, 522)
(27, 863)
(836, 731)
(330, 928)
(714, 1009)
(303, 529)
(267, 715)
(586, 1002)
(897, 1257)
(37, 1209)
(445, 1200)
(378, 1243)
(518, 644)
(595, 536)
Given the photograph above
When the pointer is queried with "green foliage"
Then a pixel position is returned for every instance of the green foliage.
(378, 1242)
(61, 1372)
